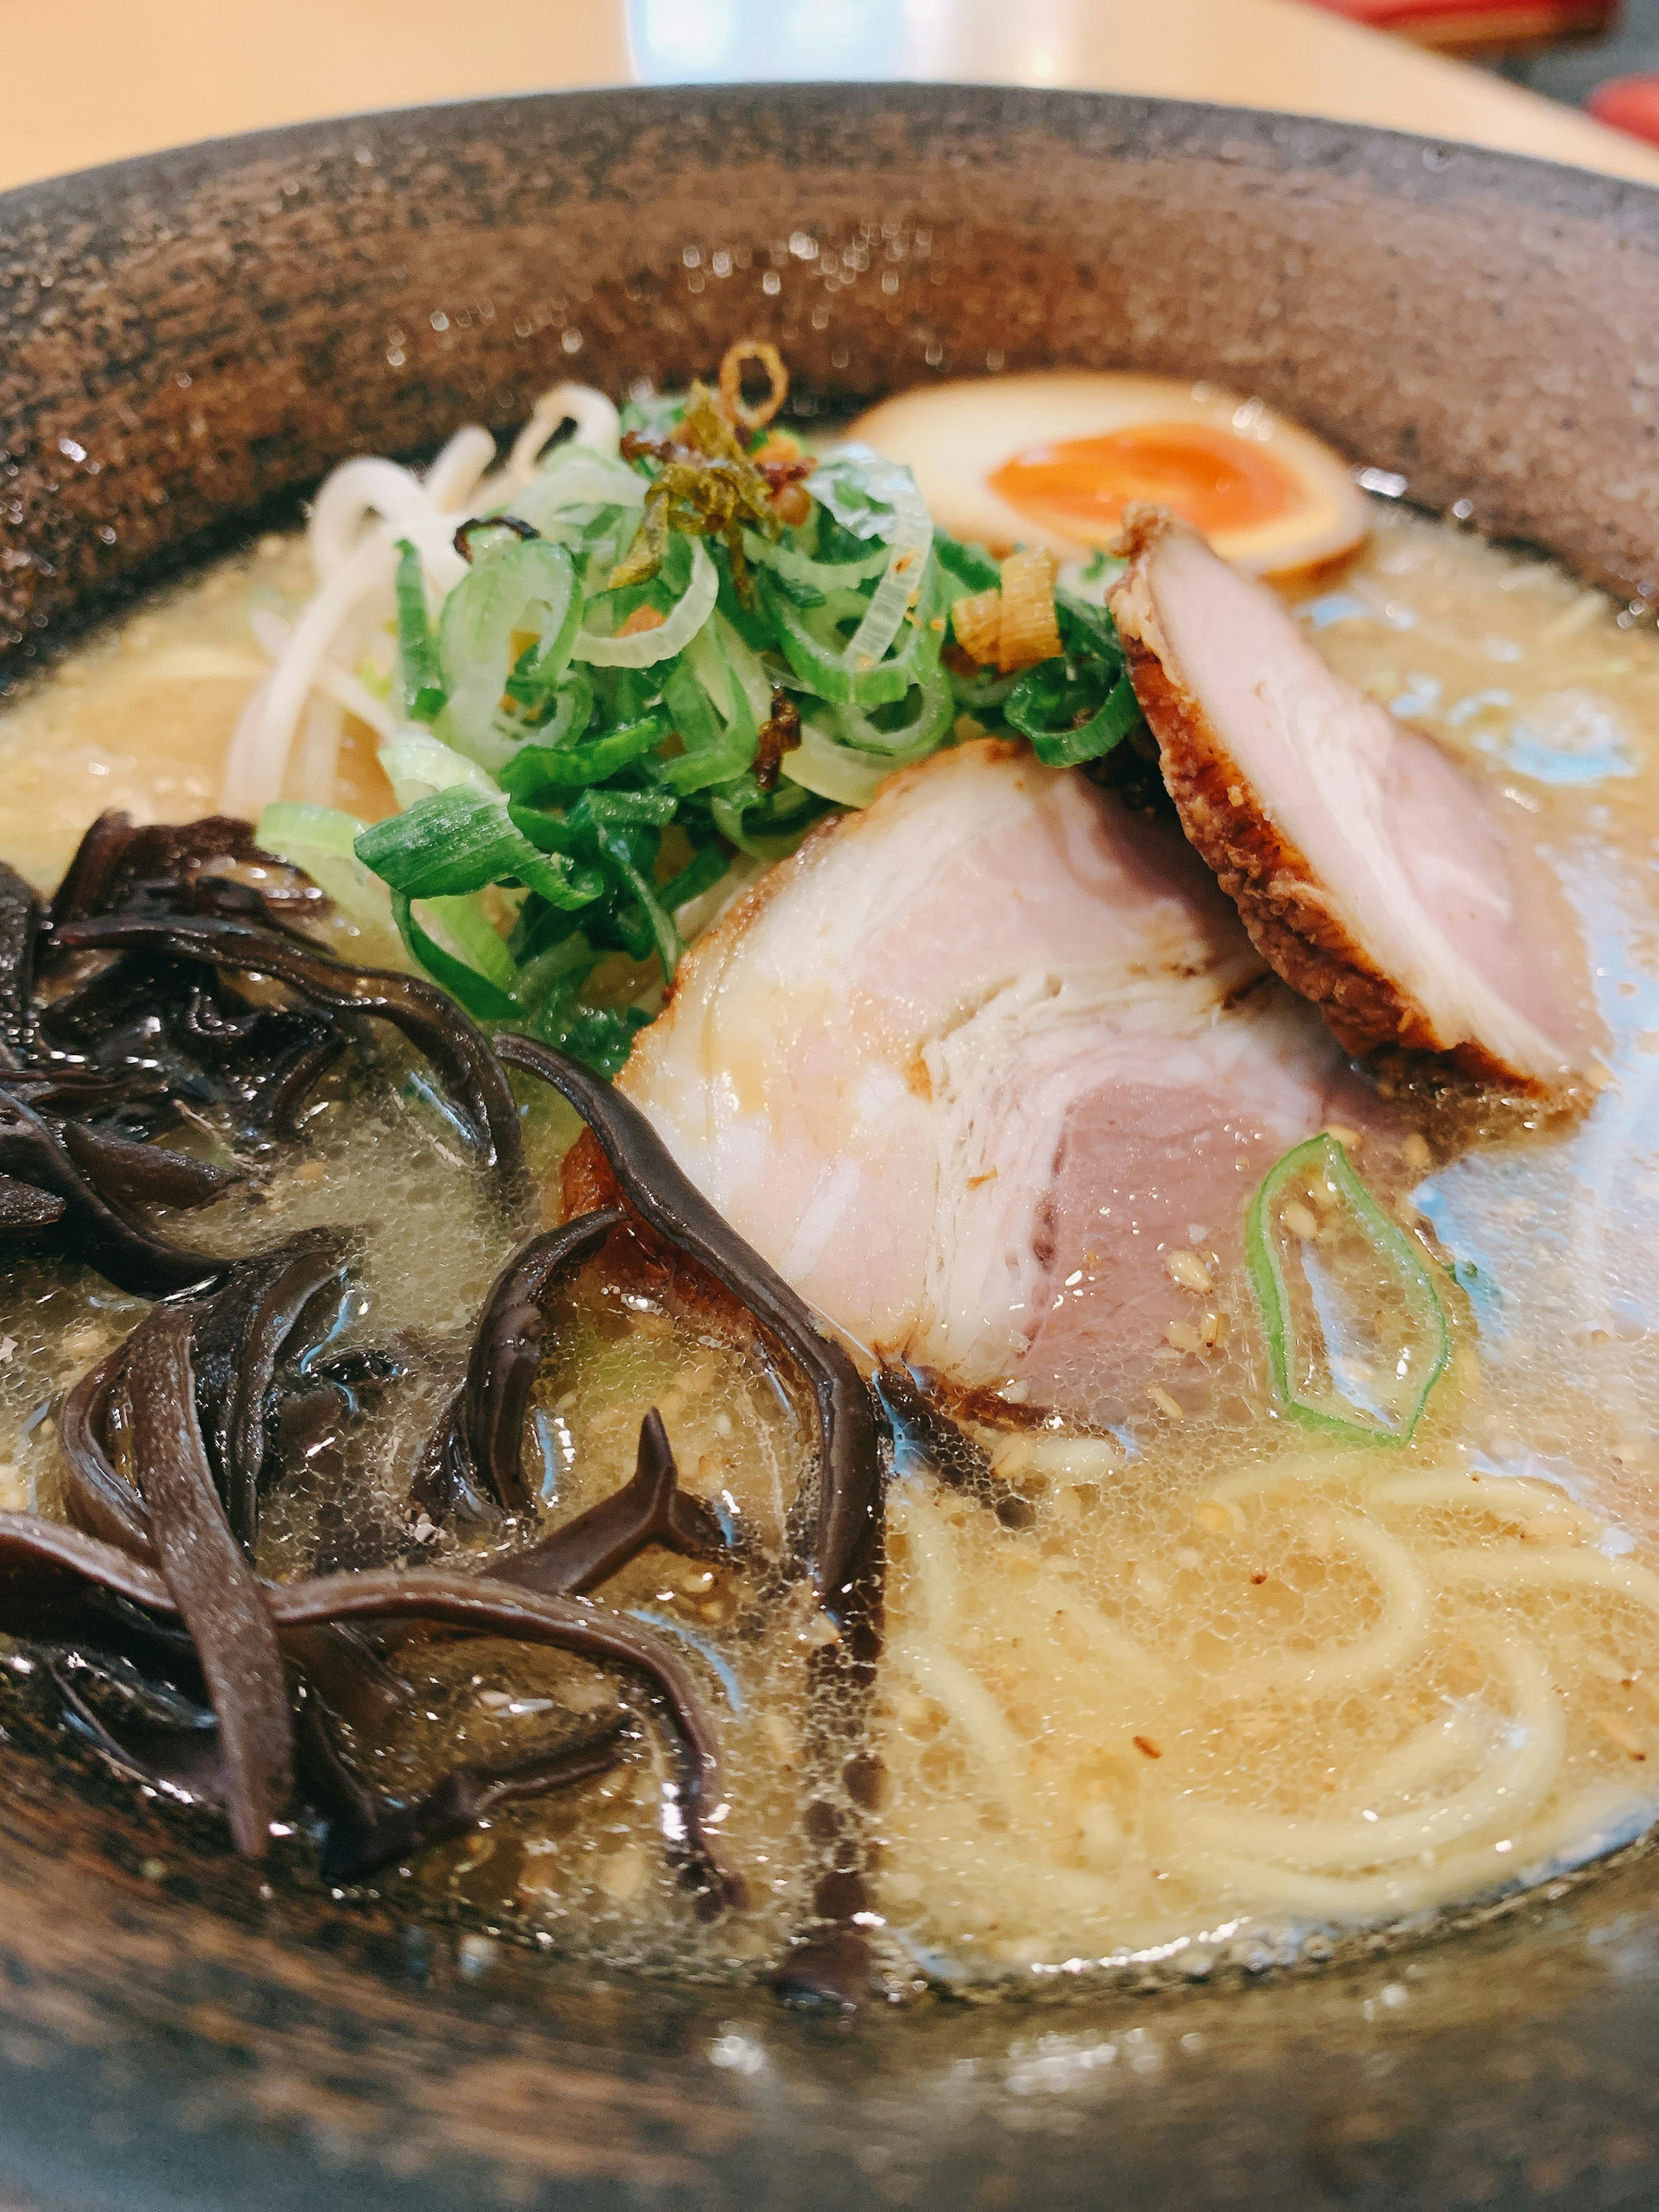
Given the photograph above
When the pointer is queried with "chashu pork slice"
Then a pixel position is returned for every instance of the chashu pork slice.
(977, 1064)
(1365, 867)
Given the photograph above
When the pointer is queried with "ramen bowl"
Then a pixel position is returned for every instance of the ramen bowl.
(190, 342)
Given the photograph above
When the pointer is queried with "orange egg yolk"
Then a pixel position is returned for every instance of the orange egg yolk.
(1207, 477)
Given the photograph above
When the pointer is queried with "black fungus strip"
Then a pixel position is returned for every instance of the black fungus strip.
(178, 1754)
(455, 1601)
(428, 1017)
(216, 1591)
(240, 1334)
(370, 1836)
(97, 1497)
(651, 1508)
(849, 1481)
(922, 1431)
(48, 1571)
(346, 1674)
(53, 1581)
(90, 878)
(276, 1103)
(19, 931)
(25, 1211)
(473, 1463)
(134, 1174)
(170, 867)
(90, 1229)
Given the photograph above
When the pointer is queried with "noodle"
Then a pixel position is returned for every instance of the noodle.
(1510, 1497)
(971, 1705)
(1588, 1570)
(1386, 1649)
(1512, 1785)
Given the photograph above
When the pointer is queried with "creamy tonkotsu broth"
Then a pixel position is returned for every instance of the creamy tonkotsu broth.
(1220, 1687)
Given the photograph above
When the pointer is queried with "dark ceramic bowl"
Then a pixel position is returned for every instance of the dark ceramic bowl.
(188, 340)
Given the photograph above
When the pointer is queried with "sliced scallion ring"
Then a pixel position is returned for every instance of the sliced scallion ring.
(647, 646)
(518, 585)
(1356, 1327)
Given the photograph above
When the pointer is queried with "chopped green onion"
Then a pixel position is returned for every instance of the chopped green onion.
(1357, 1331)
(647, 646)
(515, 586)
(572, 767)
(908, 549)
(803, 569)
(457, 841)
(844, 486)
(845, 774)
(932, 715)
(1040, 703)
(669, 945)
(970, 566)
(488, 999)
(417, 655)
(321, 841)
(417, 764)
(712, 754)
(291, 822)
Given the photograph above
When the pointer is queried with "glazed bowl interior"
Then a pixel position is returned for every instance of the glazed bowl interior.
(186, 343)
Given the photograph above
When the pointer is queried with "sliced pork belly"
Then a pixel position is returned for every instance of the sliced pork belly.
(976, 1064)
(1365, 868)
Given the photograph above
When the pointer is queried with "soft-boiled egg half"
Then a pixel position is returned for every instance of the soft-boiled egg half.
(1054, 459)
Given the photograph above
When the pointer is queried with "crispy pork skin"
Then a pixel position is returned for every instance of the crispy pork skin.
(1365, 867)
(977, 1065)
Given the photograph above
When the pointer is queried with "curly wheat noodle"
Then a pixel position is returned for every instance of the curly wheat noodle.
(1397, 1638)
(1510, 1788)
(595, 422)
(1506, 1497)
(1545, 1571)
(455, 478)
(937, 1570)
(357, 491)
(1440, 1747)
(1595, 1820)
(983, 1725)
(256, 763)
(272, 633)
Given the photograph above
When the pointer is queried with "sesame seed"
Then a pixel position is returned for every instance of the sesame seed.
(1190, 1271)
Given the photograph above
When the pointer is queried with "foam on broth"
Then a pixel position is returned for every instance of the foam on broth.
(1225, 1683)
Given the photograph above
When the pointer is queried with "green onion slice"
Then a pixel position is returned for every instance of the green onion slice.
(1044, 704)
(647, 646)
(417, 764)
(536, 768)
(518, 585)
(489, 998)
(1357, 1331)
(457, 841)
(803, 569)
(418, 655)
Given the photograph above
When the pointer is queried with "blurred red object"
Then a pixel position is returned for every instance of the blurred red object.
(1472, 27)
(1628, 103)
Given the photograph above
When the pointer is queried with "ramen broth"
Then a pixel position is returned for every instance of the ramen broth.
(1232, 1683)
